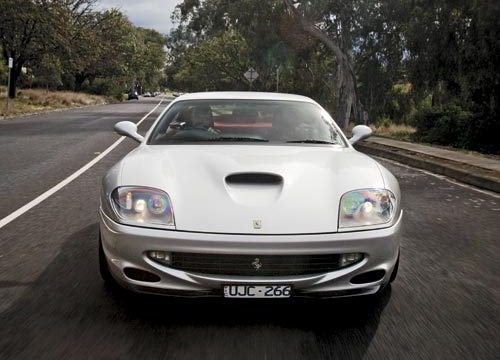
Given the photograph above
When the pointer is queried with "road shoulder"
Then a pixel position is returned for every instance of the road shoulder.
(459, 166)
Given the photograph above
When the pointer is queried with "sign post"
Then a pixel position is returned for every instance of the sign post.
(11, 65)
(251, 75)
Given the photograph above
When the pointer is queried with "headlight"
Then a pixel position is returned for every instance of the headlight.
(142, 206)
(366, 207)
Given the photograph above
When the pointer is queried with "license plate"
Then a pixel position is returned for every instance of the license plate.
(257, 291)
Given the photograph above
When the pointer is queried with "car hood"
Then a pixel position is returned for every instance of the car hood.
(306, 200)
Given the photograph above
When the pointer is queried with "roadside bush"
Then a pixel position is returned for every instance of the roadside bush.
(99, 87)
(383, 121)
(107, 87)
(400, 103)
(451, 125)
(441, 124)
(482, 133)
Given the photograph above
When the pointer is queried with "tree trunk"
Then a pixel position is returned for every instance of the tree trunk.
(91, 80)
(79, 80)
(14, 75)
(345, 96)
(346, 78)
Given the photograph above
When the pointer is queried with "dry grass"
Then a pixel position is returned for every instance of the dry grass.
(30, 101)
(400, 132)
(393, 131)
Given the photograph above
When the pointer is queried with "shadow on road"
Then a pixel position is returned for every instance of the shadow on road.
(69, 313)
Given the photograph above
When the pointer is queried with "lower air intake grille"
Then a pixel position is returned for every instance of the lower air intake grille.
(255, 265)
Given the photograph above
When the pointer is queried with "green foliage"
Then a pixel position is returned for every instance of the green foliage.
(69, 44)
(405, 55)
(48, 73)
(442, 124)
(147, 61)
(400, 103)
(383, 121)
(3, 71)
(454, 51)
(452, 125)
(227, 36)
(215, 64)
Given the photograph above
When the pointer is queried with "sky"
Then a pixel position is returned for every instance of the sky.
(154, 14)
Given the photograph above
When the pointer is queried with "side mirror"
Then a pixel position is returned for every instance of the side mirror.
(128, 128)
(360, 132)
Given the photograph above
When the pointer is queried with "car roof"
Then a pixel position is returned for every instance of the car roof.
(243, 95)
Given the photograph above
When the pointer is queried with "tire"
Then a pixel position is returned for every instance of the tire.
(103, 265)
(394, 271)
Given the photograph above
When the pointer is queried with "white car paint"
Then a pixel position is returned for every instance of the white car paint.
(298, 217)
(315, 177)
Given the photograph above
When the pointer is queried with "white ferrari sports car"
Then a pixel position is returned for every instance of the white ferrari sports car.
(248, 195)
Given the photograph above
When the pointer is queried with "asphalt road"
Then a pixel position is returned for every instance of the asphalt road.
(445, 303)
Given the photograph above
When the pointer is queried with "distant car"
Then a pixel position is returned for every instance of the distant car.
(147, 94)
(133, 95)
(248, 195)
(175, 94)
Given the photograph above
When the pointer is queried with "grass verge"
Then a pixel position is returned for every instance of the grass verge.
(30, 101)
(398, 132)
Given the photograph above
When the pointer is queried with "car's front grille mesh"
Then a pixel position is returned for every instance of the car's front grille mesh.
(255, 265)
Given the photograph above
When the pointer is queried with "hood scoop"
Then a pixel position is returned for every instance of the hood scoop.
(254, 178)
(254, 189)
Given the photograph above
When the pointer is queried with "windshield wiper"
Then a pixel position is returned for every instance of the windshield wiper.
(237, 138)
(311, 141)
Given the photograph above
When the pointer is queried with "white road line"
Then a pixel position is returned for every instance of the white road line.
(442, 177)
(69, 179)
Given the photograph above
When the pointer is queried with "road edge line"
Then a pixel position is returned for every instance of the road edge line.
(440, 177)
(23, 209)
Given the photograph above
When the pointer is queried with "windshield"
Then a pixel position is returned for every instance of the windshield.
(215, 121)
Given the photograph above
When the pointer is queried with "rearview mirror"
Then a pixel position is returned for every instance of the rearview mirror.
(360, 132)
(128, 128)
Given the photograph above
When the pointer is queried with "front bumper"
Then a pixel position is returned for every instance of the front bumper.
(126, 246)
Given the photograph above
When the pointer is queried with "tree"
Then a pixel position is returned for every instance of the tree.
(147, 62)
(22, 25)
(48, 72)
(453, 54)
(312, 45)
(30, 29)
(99, 44)
(3, 70)
(334, 31)
(215, 64)
(257, 22)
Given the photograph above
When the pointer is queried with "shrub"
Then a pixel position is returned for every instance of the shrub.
(441, 124)
(400, 103)
(108, 87)
(383, 121)
(454, 126)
